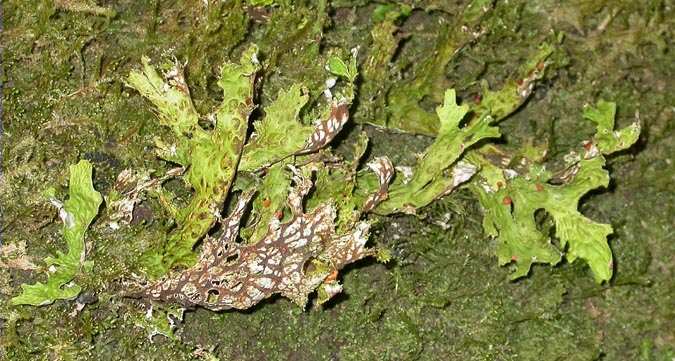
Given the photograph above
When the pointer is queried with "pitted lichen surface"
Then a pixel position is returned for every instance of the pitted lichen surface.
(211, 157)
(233, 275)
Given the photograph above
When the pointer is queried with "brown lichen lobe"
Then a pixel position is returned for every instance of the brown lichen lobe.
(234, 275)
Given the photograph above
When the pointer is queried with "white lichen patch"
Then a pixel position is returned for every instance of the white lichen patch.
(462, 172)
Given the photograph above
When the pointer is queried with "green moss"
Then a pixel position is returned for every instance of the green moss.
(404, 107)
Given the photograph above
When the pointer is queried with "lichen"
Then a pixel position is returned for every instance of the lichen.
(76, 213)
(291, 259)
(439, 170)
(511, 189)
(295, 256)
(276, 257)
(211, 156)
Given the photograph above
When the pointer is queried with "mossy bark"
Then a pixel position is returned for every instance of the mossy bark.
(444, 296)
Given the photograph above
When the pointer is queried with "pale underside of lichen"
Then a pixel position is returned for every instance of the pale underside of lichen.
(385, 171)
(230, 274)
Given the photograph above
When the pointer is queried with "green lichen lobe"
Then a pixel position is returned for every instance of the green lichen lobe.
(512, 194)
(210, 155)
(606, 139)
(76, 213)
(431, 178)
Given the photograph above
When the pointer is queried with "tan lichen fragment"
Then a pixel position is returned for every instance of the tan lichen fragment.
(235, 275)
(13, 256)
(128, 191)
